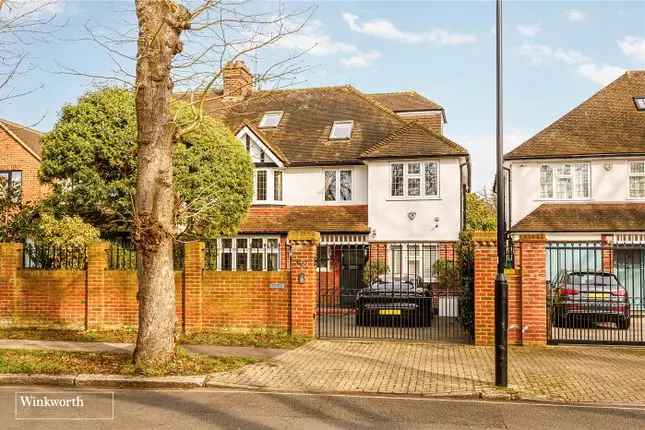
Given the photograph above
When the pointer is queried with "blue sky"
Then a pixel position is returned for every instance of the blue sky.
(556, 55)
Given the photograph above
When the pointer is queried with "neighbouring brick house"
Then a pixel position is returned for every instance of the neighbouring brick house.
(582, 179)
(20, 160)
(361, 169)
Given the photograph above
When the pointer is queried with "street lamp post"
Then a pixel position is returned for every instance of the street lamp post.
(501, 286)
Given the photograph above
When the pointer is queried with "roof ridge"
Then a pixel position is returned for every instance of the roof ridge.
(24, 127)
(380, 106)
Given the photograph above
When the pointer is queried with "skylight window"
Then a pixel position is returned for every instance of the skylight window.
(341, 130)
(271, 119)
(640, 103)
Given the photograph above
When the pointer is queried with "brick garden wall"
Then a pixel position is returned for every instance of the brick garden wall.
(101, 298)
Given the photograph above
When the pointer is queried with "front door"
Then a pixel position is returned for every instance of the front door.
(351, 274)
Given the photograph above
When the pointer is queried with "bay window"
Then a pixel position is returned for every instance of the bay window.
(243, 254)
(413, 260)
(414, 180)
(565, 181)
(637, 180)
(338, 185)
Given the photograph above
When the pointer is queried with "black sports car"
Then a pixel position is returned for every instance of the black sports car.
(395, 301)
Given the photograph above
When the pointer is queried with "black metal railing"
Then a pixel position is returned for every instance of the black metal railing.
(595, 292)
(122, 255)
(246, 254)
(510, 252)
(405, 290)
(37, 256)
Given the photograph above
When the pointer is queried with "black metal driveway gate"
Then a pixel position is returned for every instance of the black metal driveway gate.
(595, 292)
(403, 290)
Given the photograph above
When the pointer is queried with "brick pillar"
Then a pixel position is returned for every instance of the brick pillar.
(607, 254)
(10, 264)
(485, 273)
(304, 281)
(193, 318)
(533, 280)
(94, 292)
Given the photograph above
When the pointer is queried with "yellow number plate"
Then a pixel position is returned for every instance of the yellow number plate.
(389, 312)
(598, 296)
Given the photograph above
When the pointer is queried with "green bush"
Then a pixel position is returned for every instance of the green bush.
(372, 270)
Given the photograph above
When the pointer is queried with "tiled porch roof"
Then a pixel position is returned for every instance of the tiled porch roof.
(330, 219)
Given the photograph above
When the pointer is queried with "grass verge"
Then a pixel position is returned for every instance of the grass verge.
(257, 338)
(59, 362)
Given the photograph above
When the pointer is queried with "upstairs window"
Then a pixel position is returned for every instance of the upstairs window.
(11, 185)
(268, 186)
(640, 103)
(637, 180)
(271, 119)
(341, 130)
(565, 181)
(414, 179)
(261, 185)
(338, 185)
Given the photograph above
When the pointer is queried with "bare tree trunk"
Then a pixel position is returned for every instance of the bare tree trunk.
(160, 25)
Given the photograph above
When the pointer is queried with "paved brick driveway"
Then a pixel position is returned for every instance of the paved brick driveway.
(572, 374)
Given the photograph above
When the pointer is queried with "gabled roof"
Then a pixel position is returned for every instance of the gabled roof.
(258, 133)
(584, 217)
(327, 219)
(303, 133)
(414, 140)
(608, 123)
(405, 101)
(26, 136)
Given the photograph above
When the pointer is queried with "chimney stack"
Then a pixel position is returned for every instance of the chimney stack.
(238, 80)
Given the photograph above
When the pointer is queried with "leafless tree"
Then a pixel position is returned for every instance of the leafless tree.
(22, 23)
(217, 32)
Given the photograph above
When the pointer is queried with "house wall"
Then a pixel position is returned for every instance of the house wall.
(606, 186)
(389, 218)
(306, 185)
(16, 157)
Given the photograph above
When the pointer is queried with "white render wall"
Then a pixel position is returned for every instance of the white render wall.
(606, 185)
(389, 218)
(306, 185)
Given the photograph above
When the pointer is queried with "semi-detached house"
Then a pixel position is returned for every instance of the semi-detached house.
(358, 168)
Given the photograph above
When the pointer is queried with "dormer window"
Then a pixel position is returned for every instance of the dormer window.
(640, 103)
(271, 119)
(341, 130)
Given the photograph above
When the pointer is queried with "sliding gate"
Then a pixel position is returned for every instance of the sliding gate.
(407, 291)
(596, 292)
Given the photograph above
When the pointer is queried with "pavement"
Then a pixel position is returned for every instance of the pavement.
(230, 409)
(127, 348)
(570, 374)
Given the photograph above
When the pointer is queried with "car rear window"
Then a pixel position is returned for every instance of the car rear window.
(591, 278)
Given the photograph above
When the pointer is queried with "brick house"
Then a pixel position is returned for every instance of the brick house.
(582, 179)
(367, 171)
(21, 154)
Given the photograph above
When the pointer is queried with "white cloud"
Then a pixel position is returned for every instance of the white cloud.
(362, 59)
(385, 29)
(529, 30)
(633, 47)
(601, 74)
(575, 15)
(538, 54)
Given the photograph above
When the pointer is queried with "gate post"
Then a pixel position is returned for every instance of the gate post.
(95, 299)
(485, 272)
(534, 289)
(304, 281)
(192, 297)
(10, 264)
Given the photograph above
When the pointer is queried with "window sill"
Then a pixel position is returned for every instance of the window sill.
(405, 199)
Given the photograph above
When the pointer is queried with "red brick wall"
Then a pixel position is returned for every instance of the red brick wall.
(526, 291)
(16, 157)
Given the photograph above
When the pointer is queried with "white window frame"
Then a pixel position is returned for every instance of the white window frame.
(634, 175)
(341, 123)
(337, 191)
(421, 175)
(234, 251)
(327, 266)
(405, 251)
(575, 196)
(639, 101)
(271, 114)
(270, 197)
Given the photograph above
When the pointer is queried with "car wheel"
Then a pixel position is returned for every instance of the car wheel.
(623, 323)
